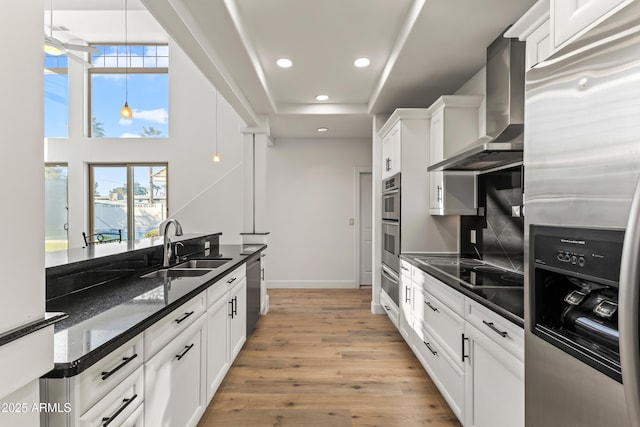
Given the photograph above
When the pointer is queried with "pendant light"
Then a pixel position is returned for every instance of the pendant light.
(216, 157)
(125, 111)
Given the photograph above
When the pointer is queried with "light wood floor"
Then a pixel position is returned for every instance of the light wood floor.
(320, 358)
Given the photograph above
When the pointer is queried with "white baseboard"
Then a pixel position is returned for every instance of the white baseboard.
(376, 308)
(311, 284)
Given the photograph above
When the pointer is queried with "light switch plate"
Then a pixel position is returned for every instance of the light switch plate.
(207, 244)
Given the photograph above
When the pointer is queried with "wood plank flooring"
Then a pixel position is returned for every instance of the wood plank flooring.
(320, 358)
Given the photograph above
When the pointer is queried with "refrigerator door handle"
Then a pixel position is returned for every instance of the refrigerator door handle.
(629, 300)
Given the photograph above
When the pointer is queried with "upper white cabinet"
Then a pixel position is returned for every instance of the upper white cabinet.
(391, 155)
(570, 19)
(454, 125)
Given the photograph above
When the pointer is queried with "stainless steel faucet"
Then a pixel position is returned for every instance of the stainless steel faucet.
(167, 241)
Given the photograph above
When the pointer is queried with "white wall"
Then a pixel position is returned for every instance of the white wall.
(204, 196)
(310, 199)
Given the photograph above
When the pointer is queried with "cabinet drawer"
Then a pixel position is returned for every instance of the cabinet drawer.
(390, 307)
(497, 328)
(447, 295)
(445, 373)
(136, 419)
(99, 379)
(119, 404)
(418, 276)
(163, 331)
(445, 325)
(216, 291)
(405, 269)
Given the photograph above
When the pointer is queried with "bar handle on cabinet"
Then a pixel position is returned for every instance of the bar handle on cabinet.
(186, 350)
(234, 306)
(439, 193)
(435, 353)
(494, 329)
(125, 360)
(407, 297)
(464, 356)
(181, 319)
(125, 402)
(233, 279)
(428, 304)
(231, 311)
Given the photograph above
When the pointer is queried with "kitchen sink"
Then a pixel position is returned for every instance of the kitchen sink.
(203, 263)
(175, 272)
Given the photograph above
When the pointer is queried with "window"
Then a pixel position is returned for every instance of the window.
(56, 96)
(55, 207)
(147, 87)
(128, 197)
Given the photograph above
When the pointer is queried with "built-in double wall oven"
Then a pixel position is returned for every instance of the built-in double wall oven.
(391, 236)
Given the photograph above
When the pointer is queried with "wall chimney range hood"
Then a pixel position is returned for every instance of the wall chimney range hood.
(504, 142)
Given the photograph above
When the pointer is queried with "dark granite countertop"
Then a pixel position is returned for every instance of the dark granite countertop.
(102, 318)
(507, 302)
(19, 332)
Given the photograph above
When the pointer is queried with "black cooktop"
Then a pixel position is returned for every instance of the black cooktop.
(473, 273)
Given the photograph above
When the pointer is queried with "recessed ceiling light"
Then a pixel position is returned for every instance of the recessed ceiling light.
(362, 62)
(323, 129)
(322, 97)
(284, 63)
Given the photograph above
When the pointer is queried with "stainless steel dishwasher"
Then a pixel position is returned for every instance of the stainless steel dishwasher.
(253, 292)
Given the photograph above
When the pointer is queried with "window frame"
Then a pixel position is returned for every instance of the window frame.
(57, 71)
(118, 70)
(130, 192)
(66, 166)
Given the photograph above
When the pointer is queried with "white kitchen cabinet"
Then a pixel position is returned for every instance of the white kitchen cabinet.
(406, 307)
(390, 308)
(174, 380)
(98, 391)
(238, 317)
(570, 19)
(119, 405)
(391, 155)
(454, 126)
(444, 324)
(494, 370)
(534, 28)
(218, 361)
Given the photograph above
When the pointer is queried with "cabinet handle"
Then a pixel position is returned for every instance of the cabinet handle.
(234, 307)
(125, 360)
(262, 274)
(186, 350)
(439, 193)
(430, 306)
(435, 353)
(407, 298)
(231, 280)
(125, 402)
(231, 313)
(494, 329)
(386, 307)
(464, 356)
(404, 268)
(181, 319)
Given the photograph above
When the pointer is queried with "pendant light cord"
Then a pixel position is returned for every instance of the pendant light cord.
(127, 58)
(217, 121)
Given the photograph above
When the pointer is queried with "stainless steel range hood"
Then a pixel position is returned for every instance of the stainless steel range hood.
(503, 143)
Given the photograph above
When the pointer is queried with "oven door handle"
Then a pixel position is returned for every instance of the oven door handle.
(390, 275)
(629, 300)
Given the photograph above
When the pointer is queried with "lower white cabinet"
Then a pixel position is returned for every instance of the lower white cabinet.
(238, 317)
(390, 308)
(174, 380)
(218, 361)
(494, 383)
(473, 355)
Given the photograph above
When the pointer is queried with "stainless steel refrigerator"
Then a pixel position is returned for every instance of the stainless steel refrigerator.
(582, 232)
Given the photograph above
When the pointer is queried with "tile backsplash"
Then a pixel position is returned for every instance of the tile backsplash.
(499, 234)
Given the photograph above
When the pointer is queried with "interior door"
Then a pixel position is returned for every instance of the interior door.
(366, 229)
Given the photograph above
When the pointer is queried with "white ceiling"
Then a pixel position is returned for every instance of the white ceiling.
(419, 50)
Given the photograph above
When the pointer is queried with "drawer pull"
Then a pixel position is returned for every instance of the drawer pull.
(494, 329)
(430, 306)
(435, 353)
(404, 268)
(464, 356)
(125, 360)
(386, 307)
(233, 279)
(186, 350)
(181, 319)
(125, 402)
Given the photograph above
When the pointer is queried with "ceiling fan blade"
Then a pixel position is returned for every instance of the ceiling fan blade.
(79, 60)
(82, 48)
